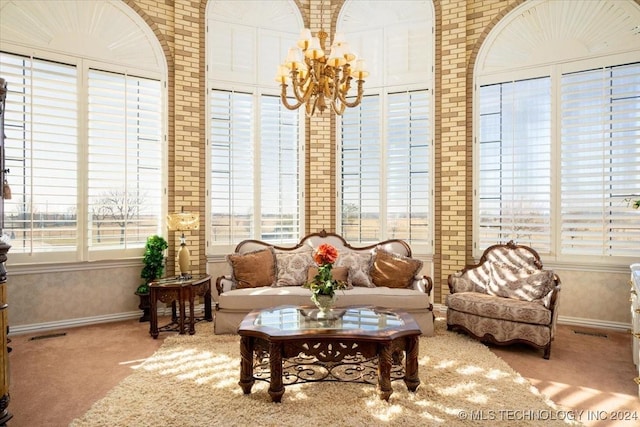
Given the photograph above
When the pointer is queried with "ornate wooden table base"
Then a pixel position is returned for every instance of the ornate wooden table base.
(180, 290)
(337, 351)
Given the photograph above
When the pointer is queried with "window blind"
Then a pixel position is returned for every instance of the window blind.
(41, 149)
(232, 166)
(600, 161)
(361, 170)
(255, 176)
(408, 166)
(124, 160)
(514, 143)
(280, 172)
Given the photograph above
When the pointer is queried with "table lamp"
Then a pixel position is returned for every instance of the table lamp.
(182, 221)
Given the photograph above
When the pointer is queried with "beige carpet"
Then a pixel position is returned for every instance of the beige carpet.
(192, 381)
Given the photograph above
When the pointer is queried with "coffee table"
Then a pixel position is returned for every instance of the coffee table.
(289, 344)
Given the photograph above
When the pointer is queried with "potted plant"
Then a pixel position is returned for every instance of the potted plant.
(153, 268)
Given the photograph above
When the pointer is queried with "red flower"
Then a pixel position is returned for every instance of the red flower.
(325, 254)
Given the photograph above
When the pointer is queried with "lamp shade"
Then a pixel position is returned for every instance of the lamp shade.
(182, 221)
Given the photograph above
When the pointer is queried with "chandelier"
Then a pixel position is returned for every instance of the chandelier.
(319, 78)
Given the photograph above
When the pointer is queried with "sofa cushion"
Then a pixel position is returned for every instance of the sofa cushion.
(253, 269)
(499, 308)
(249, 299)
(359, 264)
(394, 271)
(292, 267)
(522, 284)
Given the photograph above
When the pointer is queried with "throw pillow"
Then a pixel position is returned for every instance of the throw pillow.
(461, 284)
(359, 264)
(341, 274)
(292, 267)
(394, 271)
(519, 284)
(253, 269)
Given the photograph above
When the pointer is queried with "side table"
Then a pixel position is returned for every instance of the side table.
(181, 290)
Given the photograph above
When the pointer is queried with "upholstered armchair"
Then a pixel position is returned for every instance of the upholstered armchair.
(506, 298)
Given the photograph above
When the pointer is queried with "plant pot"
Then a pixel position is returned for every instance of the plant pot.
(145, 306)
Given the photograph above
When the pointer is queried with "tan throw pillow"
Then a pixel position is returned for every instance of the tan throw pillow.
(341, 274)
(359, 265)
(253, 269)
(292, 267)
(394, 271)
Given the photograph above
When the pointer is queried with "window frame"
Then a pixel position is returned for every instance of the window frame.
(256, 94)
(82, 252)
(555, 73)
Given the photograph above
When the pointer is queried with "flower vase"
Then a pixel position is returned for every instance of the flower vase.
(324, 303)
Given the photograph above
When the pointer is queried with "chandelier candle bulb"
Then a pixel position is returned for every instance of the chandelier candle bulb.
(314, 51)
(359, 72)
(337, 58)
(305, 36)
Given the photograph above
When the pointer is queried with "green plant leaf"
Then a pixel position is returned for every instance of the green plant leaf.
(153, 259)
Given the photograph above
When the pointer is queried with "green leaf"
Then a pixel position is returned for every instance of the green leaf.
(153, 259)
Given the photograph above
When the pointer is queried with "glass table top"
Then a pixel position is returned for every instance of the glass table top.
(291, 318)
(173, 281)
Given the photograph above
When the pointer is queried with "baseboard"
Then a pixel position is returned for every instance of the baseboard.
(591, 323)
(72, 323)
(440, 308)
(86, 321)
(571, 321)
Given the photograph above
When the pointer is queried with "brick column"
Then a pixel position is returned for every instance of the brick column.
(320, 186)
(187, 150)
(453, 168)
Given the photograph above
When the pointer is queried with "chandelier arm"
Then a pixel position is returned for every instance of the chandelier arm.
(285, 100)
(338, 108)
(298, 85)
(298, 91)
(358, 99)
(337, 96)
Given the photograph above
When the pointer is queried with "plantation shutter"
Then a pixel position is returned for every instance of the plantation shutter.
(41, 152)
(124, 160)
(514, 189)
(407, 166)
(280, 173)
(600, 161)
(361, 171)
(232, 167)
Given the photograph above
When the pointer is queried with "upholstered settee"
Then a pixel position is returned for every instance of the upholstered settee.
(263, 275)
(507, 297)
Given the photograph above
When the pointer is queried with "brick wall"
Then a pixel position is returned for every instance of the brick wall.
(460, 28)
(179, 25)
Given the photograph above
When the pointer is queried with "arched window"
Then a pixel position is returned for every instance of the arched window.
(84, 122)
(386, 143)
(256, 151)
(557, 152)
